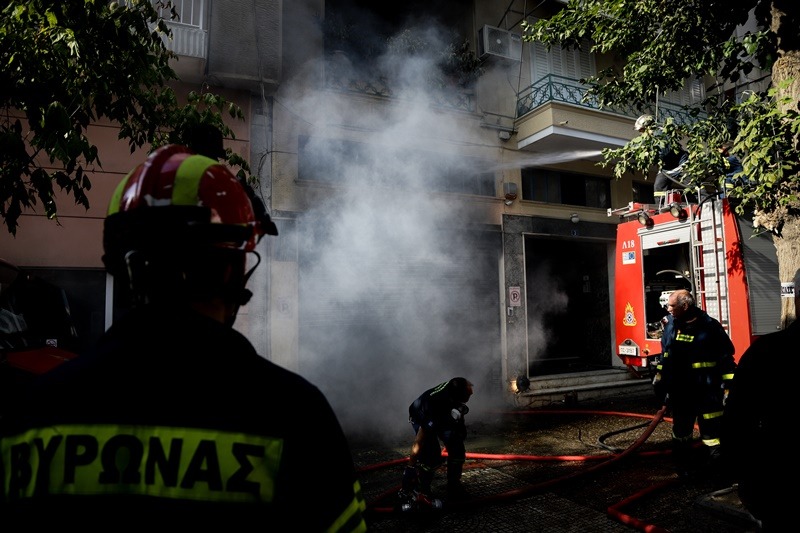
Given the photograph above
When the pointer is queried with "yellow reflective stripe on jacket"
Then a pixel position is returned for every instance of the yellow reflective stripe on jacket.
(439, 388)
(353, 512)
(683, 337)
(727, 377)
(186, 463)
(704, 364)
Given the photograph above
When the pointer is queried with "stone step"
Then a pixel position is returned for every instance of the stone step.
(582, 386)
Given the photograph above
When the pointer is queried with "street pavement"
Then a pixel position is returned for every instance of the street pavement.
(602, 466)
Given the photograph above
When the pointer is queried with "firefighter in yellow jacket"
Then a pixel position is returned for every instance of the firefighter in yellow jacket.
(173, 418)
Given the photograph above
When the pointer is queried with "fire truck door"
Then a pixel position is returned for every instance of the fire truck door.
(666, 267)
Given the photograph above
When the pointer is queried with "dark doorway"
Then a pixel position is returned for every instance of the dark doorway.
(568, 309)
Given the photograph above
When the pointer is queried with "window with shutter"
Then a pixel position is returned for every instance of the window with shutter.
(574, 64)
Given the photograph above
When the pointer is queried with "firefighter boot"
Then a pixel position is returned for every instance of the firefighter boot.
(410, 479)
(415, 494)
(406, 498)
(425, 478)
(455, 488)
(684, 458)
(715, 464)
(425, 503)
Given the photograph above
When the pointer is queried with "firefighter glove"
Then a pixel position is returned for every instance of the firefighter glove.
(458, 412)
(660, 388)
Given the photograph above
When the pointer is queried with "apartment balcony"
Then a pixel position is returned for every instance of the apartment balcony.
(190, 44)
(188, 41)
(234, 43)
(553, 116)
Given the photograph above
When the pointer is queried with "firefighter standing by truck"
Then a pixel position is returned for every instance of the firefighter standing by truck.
(174, 418)
(693, 377)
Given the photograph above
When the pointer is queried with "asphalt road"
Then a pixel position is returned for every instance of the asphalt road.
(604, 466)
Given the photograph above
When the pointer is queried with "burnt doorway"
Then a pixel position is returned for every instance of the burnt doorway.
(568, 307)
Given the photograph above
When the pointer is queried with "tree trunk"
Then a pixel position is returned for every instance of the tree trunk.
(788, 252)
(787, 244)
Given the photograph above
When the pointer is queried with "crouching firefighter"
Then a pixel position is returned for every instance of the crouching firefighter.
(173, 417)
(437, 416)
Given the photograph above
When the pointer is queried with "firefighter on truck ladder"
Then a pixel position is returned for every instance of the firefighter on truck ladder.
(671, 158)
(174, 417)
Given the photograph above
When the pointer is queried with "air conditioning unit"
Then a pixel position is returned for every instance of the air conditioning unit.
(496, 42)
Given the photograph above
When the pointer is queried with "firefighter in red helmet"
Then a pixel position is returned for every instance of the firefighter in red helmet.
(436, 415)
(180, 227)
(173, 416)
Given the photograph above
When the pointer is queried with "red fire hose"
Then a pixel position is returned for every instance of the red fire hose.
(614, 511)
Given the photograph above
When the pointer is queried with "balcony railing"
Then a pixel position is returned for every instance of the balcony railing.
(554, 88)
(187, 40)
(188, 31)
(190, 12)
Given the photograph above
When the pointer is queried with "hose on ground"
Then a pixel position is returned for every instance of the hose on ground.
(604, 462)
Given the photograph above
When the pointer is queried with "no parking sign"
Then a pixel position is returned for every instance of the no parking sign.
(514, 296)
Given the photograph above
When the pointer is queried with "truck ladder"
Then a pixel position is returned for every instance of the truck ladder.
(707, 238)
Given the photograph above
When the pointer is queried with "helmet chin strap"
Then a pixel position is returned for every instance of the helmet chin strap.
(147, 283)
(241, 295)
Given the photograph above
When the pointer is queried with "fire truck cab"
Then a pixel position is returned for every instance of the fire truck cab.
(700, 245)
(37, 332)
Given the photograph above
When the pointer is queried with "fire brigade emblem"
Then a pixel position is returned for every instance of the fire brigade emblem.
(629, 319)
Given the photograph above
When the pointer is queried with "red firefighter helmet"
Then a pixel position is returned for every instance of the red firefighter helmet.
(178, 199)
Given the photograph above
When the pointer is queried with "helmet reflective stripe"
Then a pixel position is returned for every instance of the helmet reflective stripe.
(113, 205)
(195, 186)
(153, 178)
(187, 179)
(185, 187)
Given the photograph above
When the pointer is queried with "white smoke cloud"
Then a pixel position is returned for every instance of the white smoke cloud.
(397, 291)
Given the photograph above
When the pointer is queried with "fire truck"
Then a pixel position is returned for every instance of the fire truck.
(695, 241)
(37, 332)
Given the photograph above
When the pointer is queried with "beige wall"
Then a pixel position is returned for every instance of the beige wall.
(75, 239)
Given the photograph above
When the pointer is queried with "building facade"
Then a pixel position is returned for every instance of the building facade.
(435, 184)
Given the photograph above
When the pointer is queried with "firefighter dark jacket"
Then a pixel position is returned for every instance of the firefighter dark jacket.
(434, 409)
(175, 419)
(760, 410)
(697, 356)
